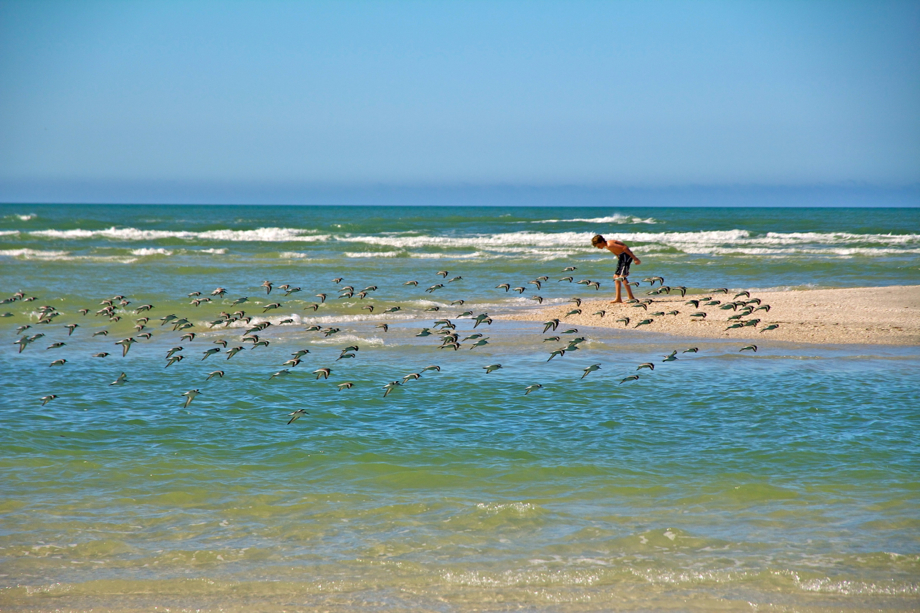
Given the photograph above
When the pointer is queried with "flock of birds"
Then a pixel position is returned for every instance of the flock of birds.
(444, 330)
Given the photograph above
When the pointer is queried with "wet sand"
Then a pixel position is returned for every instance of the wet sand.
(868, 315)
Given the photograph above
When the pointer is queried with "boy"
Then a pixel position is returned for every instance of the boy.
(624, 258)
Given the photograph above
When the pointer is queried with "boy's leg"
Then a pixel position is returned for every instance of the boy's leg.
(617, 282)
(628, 288)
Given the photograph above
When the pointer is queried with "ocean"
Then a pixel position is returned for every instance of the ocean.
(781, 480)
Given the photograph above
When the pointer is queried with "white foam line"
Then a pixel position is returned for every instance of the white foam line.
(259, 234)
(32, 253)
(148, 251)
(617, 219)
(374, 254)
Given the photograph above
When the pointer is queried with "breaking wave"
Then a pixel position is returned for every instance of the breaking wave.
(270, 235)
(530, 244)
(617, 219)
(151, 252)
(33, 253)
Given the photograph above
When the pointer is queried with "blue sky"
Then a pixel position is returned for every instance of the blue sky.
(101, 100)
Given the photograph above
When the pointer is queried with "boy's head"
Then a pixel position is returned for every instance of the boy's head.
(598, 241)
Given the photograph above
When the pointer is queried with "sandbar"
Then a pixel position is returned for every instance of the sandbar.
(866, 315)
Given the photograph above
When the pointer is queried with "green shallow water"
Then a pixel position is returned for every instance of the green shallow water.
(782, 480)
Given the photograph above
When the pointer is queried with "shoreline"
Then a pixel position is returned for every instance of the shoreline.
(866, 315)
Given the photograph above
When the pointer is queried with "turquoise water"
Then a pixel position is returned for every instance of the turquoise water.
(783, 479)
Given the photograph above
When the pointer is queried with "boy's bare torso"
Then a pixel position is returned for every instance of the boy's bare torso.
(616, 247)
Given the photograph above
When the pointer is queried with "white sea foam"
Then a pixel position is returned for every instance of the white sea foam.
(212, 251)
(33, 254)
(617, 219)
(275, 320)
(288, 255)
(479, 255)
(519, 508)
(9, 232)
(149, 251)
(338, 339)
(27, 217)
(861, 588)
(479, 241)
(863, 251)
(342, 319)
(374, 254)
(38, 254)
(536, 245)
(270, 235)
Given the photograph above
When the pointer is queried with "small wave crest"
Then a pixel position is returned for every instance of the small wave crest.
(375, 254)
(151, 251)
(33, 254)
(270, 235)
(858, 588)
(616, 219)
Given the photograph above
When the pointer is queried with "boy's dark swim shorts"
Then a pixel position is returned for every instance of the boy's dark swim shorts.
(623, 265)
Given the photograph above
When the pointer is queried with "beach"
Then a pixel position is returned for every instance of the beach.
(460, 456)
(861, 315)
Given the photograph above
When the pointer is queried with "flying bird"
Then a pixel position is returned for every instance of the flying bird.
(296, 415)
(125, 345)
(190, 395)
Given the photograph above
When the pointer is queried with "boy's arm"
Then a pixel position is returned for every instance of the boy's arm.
(632, 255)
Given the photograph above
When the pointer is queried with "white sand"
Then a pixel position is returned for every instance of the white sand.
(868, 315)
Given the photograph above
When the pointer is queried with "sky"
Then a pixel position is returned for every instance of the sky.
(274, 101)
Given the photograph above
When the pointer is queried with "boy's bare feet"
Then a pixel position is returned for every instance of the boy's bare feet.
(616, 302)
